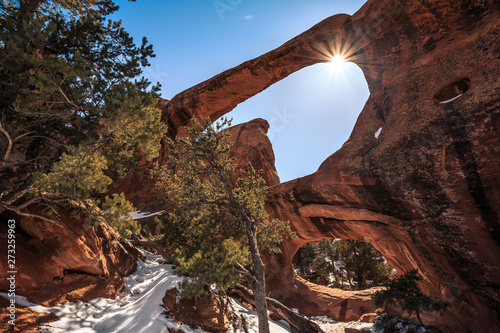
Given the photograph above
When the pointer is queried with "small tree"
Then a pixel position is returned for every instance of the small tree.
(404, 292)
(216, 225)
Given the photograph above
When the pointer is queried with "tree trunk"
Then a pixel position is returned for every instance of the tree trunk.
(298, 324)
(361, 280)
(420, 319)
(258, 286)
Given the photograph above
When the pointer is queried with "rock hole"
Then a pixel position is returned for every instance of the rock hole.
(452, 91)
(342, 263)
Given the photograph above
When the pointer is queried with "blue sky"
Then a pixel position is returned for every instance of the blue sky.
(312, 112)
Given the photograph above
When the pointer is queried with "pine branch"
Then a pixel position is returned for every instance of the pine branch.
(243, 271)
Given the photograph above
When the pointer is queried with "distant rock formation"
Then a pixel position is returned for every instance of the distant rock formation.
(425, 191)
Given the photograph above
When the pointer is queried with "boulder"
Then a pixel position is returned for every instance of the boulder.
(206, 312)
(368, 318)
(26, 321)
(66, 262)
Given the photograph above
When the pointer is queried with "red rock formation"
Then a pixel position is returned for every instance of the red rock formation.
(205, 312)
(251, 144)
(56, 263)
(426, 191)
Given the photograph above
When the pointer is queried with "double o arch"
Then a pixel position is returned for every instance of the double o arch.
(411, 190)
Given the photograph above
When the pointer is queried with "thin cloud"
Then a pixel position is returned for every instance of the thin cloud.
(248, 17)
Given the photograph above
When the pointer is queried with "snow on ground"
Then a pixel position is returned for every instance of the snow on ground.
(138, 309)
(331, 326)
(250, 317)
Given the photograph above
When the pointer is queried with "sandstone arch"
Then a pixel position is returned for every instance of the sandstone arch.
(426, 191)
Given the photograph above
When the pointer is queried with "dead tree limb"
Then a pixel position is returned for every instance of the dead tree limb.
(298, 324)
(137, 241)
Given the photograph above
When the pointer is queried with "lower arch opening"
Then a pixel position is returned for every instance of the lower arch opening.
(342, 263)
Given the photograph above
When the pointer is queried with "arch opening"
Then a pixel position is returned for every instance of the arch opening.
(342, 263)
(311, 114)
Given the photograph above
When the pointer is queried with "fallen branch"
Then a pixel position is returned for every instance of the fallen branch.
(137, 241)
(298, 324)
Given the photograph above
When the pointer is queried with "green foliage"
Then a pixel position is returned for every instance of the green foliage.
(210, 265)
(77, 175)
(208, 220)
(75, 111)
(356, 262)
(405, 293)
(250, 192)
(117, 214)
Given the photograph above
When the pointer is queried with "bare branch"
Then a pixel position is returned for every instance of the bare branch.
(155, 244)
(9, 148)
(18, 211)
(20, 136)
(243, 271)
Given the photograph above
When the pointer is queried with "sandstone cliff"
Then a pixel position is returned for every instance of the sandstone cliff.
(65, 262)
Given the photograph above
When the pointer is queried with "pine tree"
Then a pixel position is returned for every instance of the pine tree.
(405, 292)
(217, 227)
(74, 109)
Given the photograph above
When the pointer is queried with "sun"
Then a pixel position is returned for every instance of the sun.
(338, 62)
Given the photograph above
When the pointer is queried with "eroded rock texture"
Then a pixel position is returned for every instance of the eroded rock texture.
(251, 144)
(207, 311)
(65, 262)
(425, 192)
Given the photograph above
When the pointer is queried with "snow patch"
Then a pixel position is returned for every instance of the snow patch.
(329, 325)
(138, 309)
(22, 301)
(137, 215)
(450, 100)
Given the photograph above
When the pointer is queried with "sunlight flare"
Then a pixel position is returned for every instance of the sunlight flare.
(338, 62)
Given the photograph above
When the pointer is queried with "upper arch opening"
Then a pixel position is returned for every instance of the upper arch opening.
(311, 114)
